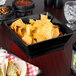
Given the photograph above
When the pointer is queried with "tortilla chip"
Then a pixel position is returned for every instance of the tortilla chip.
(28, 29)
(19, 22)
(55, 32)
(60, 34)
(46, 31)
(34, 41)
(16, 24)
(38, 35)
(44, 17)
(31, 21)
(27, 39)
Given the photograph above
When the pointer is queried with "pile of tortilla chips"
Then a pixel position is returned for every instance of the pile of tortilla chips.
(36, 30)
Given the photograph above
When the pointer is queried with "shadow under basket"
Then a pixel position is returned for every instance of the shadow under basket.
(43, 47)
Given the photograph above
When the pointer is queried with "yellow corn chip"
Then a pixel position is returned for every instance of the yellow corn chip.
(55, 32)
(46, 31)
(22, 31)
(28, 29)
(31, 21)
(38, 36)
(34, 41)
(27, 39)
(43, 17)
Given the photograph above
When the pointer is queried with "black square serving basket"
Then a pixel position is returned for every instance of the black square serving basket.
(43, 47)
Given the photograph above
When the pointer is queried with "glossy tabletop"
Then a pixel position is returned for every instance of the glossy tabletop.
(53, 64)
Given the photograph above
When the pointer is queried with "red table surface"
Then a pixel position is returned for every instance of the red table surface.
(53, 64)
